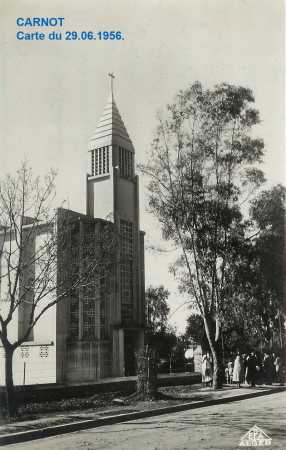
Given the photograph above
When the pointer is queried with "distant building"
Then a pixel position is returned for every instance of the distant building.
(97, 330)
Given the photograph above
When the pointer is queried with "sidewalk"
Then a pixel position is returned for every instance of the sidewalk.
(188, 398)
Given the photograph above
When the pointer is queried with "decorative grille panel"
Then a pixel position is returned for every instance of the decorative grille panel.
(44, 351)
(100, 161)
(25, 352)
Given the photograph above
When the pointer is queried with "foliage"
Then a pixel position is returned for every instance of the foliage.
(159, 334)
(254, 319)
(195, 331)
(260, 280)
(163, 342)
(202, 168)
(157, 308)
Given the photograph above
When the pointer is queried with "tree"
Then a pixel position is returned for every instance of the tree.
(269, 213)
(254, 320)
(43, 260)
(262, 273)
(159, 334)
(202, 170)
(157, 308)
(195, 331)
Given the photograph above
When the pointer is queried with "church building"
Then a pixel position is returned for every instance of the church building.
(96, 331)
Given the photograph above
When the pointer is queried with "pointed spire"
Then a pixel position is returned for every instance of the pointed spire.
(110, 128)
(112, 76)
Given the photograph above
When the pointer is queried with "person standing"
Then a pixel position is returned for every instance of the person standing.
(243, 376)
(227, 375)
(230, 371)
(251, 363)
(267, 369)
(209, 372)
(206, 370)
(277, 367)
(237, 370)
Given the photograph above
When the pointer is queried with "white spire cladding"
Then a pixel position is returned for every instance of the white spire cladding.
(110, 129)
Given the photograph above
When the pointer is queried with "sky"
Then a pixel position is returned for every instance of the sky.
(53, 92)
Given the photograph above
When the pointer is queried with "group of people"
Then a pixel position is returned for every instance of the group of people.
(249, 369)
(252, 369)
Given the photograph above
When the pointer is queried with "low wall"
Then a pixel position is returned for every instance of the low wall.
(43, 393)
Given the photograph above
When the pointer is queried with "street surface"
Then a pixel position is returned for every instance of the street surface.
(214, 427)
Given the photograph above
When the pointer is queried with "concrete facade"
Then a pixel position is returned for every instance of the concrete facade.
(34, 362)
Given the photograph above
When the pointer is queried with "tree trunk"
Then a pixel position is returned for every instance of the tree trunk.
(217, 366)
(216, 349)
(146, 374)
(11, 401)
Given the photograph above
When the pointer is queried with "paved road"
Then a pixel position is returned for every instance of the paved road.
(215, 427)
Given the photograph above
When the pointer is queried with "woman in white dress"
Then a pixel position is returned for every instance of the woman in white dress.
(237, 370)
(206, 370)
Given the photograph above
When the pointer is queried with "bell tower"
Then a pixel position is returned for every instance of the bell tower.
(111, 181)
(113, 195)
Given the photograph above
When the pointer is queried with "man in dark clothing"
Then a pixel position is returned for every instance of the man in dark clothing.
(251, 364)
(267, 369)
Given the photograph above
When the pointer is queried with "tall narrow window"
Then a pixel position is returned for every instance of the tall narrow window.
(74, 317)
(126, 163)
(126, 270)
(73, 256)
(96, 162)
(107, 160)
(88, 317)
(104, 160)
(100, 161)
(92, 162)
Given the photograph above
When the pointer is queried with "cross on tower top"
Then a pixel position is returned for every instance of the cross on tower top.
(112, 76)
